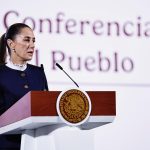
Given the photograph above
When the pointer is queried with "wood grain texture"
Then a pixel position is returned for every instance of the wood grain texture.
(43, 103)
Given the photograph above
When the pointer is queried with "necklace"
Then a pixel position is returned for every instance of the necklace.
(19, 65)
(12, 65)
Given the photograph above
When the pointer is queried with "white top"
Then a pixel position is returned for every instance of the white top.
(11, 65)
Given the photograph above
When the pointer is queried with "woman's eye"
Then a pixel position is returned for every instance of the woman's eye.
(27, 40)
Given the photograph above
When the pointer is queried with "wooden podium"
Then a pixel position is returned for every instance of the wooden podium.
(35, 117)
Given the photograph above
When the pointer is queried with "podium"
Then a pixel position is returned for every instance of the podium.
(35, 117)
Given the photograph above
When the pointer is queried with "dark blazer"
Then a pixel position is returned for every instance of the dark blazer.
(13, 85)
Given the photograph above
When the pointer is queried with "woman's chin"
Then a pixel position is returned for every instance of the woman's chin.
(28, 59)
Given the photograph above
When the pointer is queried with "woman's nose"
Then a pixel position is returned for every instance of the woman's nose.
(32, 44)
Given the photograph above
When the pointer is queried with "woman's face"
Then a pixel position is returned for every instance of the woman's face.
(24, 44)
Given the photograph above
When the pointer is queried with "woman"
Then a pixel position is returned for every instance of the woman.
(17, 77)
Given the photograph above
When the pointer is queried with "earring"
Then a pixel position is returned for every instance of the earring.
(14, 50)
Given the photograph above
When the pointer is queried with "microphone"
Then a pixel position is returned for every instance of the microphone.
(61, 68)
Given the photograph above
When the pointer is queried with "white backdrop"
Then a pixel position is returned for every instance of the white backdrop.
(103, 45)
